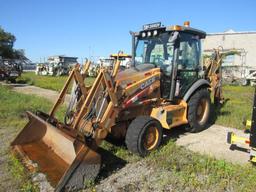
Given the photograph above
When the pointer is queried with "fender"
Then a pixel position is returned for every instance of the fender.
(194, 87)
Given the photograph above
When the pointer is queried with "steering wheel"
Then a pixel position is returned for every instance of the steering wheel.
(159, 61)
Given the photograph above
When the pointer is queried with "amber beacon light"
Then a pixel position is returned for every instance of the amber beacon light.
(186, 23)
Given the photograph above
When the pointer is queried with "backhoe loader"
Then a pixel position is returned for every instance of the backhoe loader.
(165, 87)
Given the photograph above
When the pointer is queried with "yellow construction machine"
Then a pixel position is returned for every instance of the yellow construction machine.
(165, 87)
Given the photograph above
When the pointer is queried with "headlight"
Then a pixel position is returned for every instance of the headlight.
(149, 33)
(143, 34)
(155, 32)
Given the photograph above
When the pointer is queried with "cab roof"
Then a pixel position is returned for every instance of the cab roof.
(186, 29)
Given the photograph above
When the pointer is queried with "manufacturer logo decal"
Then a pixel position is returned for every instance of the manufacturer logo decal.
(148, 82)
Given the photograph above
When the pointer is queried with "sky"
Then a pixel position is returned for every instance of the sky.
(92, 28)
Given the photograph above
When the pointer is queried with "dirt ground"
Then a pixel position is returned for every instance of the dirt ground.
(33, 90)
(211, 141)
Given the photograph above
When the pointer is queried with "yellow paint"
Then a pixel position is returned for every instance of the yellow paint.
(175, 28)
(248, 123)
(178, 114)
(122, 55)
(235, 138)
(253, 159)
(135, 86)
(151, 138)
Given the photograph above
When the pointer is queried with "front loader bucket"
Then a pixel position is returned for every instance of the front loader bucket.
(66, 161)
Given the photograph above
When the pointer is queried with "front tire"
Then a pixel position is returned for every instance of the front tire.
(199, 110)
(144, 135)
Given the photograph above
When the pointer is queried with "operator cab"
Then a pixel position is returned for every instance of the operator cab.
(176, 50)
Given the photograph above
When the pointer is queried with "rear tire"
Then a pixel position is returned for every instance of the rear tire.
(144, 135)
(199, 110)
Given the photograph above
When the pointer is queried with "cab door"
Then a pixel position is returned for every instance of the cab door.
(189, 62)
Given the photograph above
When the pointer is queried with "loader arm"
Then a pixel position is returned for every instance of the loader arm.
(102, 95)
(79, 77)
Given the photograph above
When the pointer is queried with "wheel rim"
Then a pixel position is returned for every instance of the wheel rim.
(202, 111)
(151, 138)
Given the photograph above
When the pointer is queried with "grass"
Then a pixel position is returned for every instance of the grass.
(200, 172)
(175, 167)
(47, 82)
(12, 120)
(18, 171)
(179, 167)
(14, 105)
(237, 108)
(120, 151)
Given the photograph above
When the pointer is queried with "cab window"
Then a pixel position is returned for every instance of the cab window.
(189, 52)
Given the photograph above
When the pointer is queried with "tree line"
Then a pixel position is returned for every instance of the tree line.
(7, 51)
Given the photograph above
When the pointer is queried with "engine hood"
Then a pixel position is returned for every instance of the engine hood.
(132, 75)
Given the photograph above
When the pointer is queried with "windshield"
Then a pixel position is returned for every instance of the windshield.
(155, 50)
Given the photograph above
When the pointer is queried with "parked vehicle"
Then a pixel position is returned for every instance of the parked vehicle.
(10, 69)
